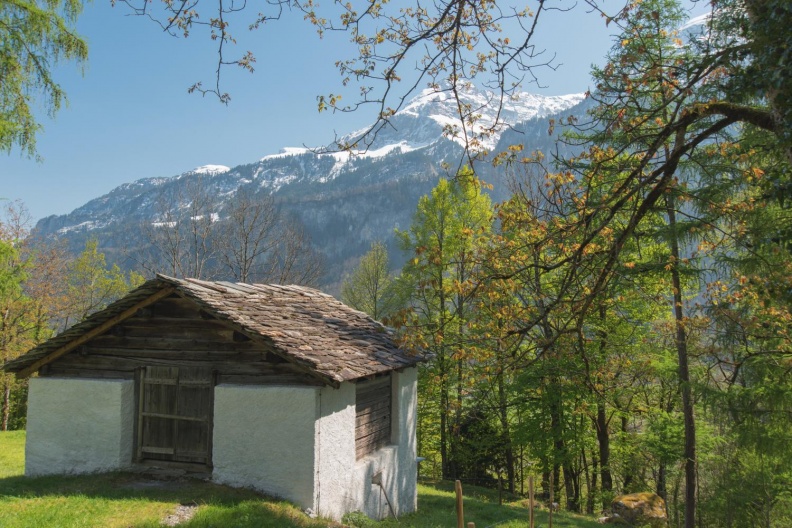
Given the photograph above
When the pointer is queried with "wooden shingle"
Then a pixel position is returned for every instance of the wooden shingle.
(304, 326)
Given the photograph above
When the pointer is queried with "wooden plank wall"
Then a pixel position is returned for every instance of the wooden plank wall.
(175, 415)
(175, 332)
(373, 415)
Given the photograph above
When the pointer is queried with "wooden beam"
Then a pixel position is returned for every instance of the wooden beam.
(87, 336)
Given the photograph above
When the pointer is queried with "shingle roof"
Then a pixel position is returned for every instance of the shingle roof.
(305, 326)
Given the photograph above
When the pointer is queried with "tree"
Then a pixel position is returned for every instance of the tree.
(181, 237)
(34, 37)
(662, 107)
(15, 323)
(23, 317)
(248, 239)
(248, 234)
(91, 285)
(447, 231)
(294, 260)
(371, 286)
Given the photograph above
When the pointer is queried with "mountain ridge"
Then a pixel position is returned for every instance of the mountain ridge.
(345, 199)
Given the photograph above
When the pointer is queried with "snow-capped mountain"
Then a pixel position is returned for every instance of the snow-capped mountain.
(432, 114)
(346, 200)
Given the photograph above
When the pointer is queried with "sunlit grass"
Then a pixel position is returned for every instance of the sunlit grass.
(12, 453)
(437, 508)
(123, 500)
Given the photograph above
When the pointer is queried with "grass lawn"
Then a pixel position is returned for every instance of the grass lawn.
(127, 500)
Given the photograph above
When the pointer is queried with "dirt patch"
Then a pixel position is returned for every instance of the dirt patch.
(183, 513)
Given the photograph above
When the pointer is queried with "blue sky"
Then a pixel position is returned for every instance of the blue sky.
(130, 117)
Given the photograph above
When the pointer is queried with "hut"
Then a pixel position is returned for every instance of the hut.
(280, 388)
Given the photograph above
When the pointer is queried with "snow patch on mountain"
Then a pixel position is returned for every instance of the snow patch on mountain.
(441, 107)
(88, 225)
(433, 114)
(701, 20)
(286, 152)
(276, 183)
(211, 169)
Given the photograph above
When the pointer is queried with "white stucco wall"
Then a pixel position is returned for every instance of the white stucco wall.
(336, 487)
(79, 425)
(344, 484)
(264, 439)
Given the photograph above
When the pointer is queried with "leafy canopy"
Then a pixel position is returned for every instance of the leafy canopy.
(35, 35)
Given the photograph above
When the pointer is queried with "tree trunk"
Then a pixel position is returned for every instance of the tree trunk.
(684, 375)
(629, 473)
(508, 449)
(603, 442)
(6, 406)
(444, 425)
(661, 481)
(559, 445)
(571, 487)
(593, 489)
(546, 484)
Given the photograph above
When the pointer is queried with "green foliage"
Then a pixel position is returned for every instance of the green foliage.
(12, 271)
(18, 328)
(358, 519)
(35, 35)
(92, 285)
(449, 228)
(371, 287)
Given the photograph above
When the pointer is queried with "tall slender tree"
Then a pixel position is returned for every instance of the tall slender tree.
(446, 231)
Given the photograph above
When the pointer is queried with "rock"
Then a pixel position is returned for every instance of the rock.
(640, 509)
(613, 519)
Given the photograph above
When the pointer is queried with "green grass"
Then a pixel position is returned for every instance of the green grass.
(126, 500)
(12, 454)
(437, 508)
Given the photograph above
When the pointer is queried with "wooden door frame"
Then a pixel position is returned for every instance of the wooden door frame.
(138, 457)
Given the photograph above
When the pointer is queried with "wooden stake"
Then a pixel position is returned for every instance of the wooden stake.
(471, 525)
(459, 507)
(531, 502)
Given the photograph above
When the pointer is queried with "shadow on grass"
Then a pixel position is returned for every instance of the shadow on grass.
(133, 500)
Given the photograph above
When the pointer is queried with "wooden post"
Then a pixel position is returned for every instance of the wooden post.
(459, 507)
(471, 525)
(500, 490)
(531, 502)
(552, 498)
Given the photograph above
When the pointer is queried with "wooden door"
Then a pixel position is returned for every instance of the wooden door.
(175, 415)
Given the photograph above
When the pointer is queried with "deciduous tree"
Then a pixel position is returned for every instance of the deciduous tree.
(371, 288)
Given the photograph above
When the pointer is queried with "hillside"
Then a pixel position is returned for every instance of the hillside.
(344, 200)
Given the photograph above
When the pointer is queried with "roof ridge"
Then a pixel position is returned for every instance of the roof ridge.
(314, 330)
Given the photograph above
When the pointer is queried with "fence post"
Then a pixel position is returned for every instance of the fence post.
(531, 502)
(471, 525)
(459, 507)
